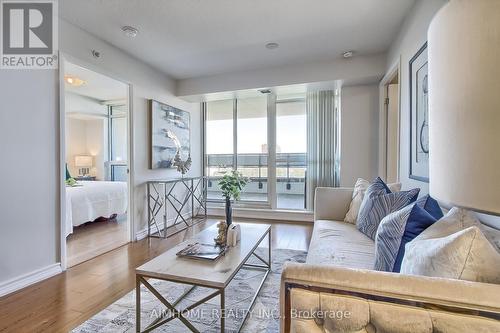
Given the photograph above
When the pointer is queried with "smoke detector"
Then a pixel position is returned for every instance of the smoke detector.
(272, 46)
(130, 31)
(348, 54)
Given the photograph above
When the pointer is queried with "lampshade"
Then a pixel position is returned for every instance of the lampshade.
(464, 105)
(83, 161)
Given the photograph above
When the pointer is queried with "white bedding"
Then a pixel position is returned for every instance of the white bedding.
(92, 200)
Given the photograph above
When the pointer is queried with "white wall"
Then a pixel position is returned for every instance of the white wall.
(96, 131)
(75, 103)
(411, 38)
(356, 68)
(359, 133)
(87, 137)
(76, 142)
(147, 83)
(29, 146)
(30, 171)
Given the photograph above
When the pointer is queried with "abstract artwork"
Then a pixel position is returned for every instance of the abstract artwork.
(419, 116)
(170, 130)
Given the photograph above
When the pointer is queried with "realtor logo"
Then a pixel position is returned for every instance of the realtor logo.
(28, 34)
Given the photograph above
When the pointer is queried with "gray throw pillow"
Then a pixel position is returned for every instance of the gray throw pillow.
(377, 204)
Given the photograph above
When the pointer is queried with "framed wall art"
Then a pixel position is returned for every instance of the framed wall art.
(170, 131)
(419, 116)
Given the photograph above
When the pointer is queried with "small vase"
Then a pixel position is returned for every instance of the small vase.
(229, 212)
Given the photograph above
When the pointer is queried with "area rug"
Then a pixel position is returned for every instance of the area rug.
(264, 316)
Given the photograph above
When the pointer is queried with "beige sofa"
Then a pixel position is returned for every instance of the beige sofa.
(336, 290)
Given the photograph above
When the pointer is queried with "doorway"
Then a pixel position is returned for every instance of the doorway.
(390, 126)
(95, 157)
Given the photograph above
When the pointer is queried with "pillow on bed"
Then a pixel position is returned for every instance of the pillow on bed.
(68, 175)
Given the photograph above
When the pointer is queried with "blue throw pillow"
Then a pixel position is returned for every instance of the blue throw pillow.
(378, 203)
(399, 228)
(431, 206)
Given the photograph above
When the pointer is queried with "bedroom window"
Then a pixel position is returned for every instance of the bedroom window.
(117, 136)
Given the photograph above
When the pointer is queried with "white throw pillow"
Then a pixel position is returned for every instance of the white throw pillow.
(454, 247)
(357, 198)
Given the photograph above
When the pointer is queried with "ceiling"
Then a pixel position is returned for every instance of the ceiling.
(195, 38)
(98, 86)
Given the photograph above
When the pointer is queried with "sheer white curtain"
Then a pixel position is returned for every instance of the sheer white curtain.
(323, 141)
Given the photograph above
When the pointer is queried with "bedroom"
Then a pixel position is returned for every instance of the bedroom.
(96, 146)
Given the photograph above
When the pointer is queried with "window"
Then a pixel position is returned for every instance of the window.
(251, 140)
(219, 147)
(291, 148)
(237, 136)
(117, 138)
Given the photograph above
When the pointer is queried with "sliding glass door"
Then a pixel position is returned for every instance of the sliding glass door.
(251, 138)
(238, 135)
(291, 149)
(219, 144)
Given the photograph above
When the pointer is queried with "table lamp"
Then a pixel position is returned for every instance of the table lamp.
(83, 163)
(464, 105)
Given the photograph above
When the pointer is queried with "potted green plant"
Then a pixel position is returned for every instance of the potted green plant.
(231, 185)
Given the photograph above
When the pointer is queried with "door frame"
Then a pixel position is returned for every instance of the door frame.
(393, 72)
(63, 57)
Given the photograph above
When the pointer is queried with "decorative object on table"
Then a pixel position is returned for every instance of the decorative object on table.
(231, 185)
(464, 111)
(170, 131)
(182, 166)
(233, 235)
(419, 116)
(197, 250)
(84, 163)
(221, 238)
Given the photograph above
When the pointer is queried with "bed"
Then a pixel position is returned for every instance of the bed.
(93, 199)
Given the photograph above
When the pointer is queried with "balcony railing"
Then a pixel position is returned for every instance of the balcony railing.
(290, 177)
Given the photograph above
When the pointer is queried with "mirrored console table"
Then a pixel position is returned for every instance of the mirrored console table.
(175, 205)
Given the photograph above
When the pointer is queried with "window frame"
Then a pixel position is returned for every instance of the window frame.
(272, 196)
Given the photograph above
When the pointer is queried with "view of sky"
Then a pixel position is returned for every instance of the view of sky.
(252, 135)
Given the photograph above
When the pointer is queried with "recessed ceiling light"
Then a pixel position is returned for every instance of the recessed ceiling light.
(130, 31)
(272, 46)
(73, 80)
(348, 54)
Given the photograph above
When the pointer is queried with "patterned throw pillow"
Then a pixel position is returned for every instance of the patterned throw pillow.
(399, 228)
(378, 203)
(455, 247)
(358, 194)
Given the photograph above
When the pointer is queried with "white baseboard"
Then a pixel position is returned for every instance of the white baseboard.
(28, 279)
(141, 234)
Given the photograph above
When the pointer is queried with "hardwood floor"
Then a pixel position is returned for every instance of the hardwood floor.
(64, 301)
(93, 239)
